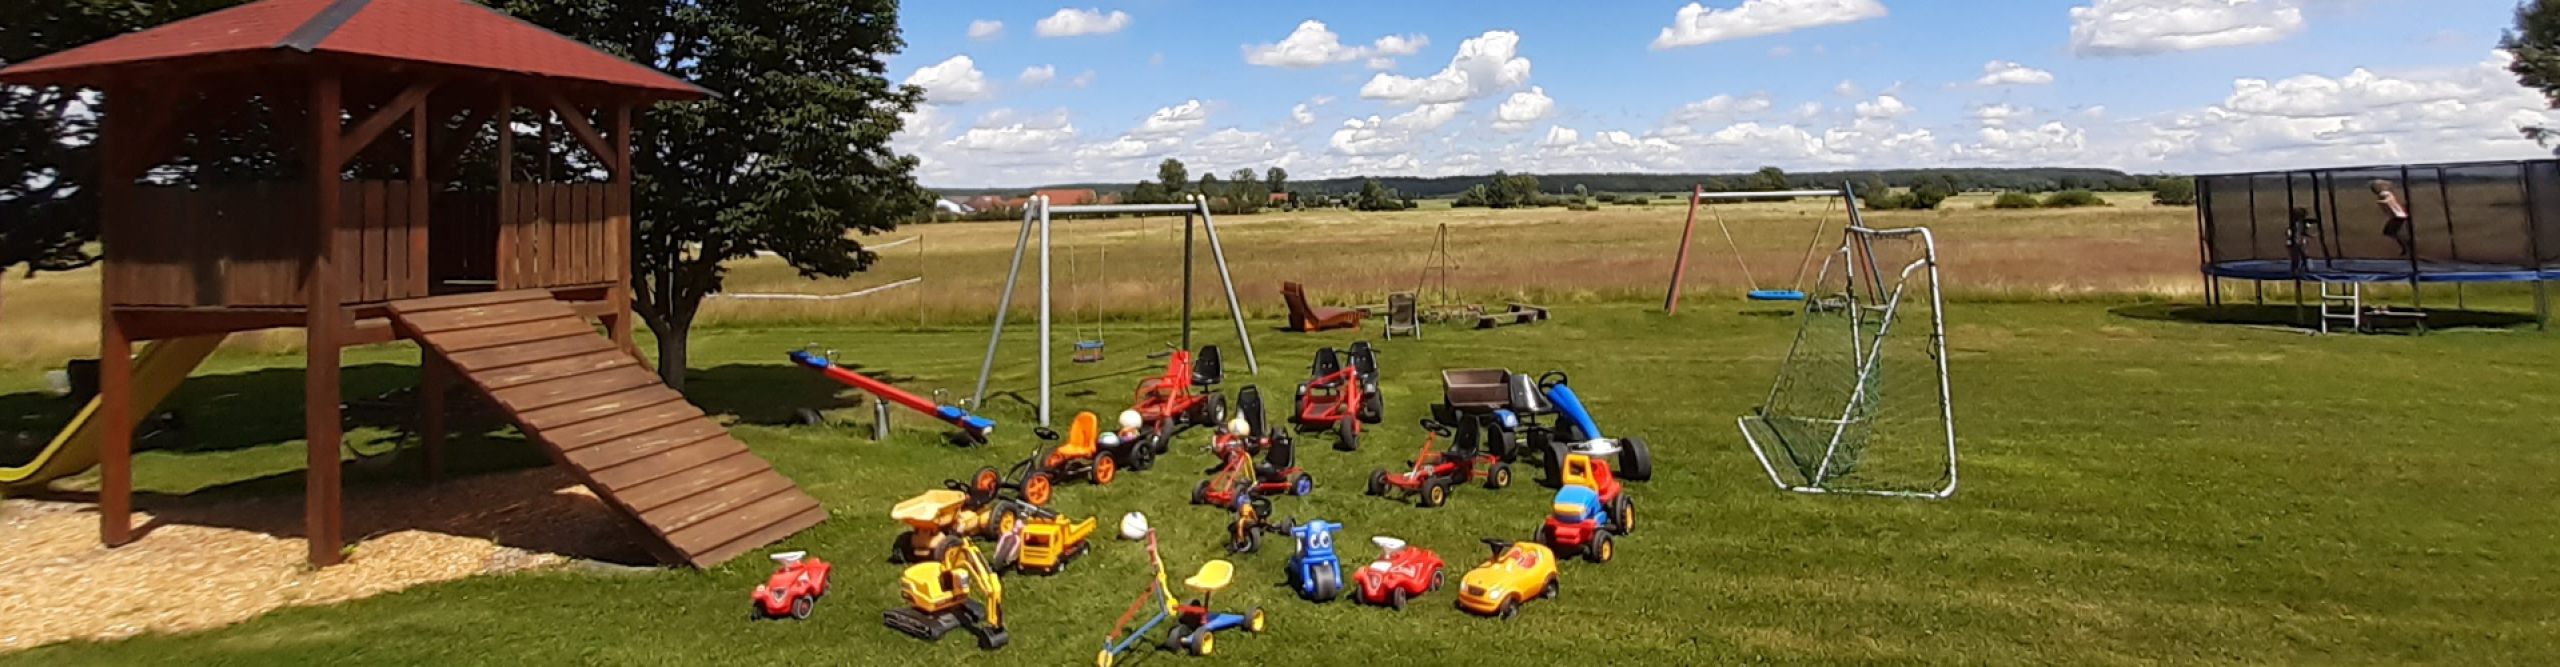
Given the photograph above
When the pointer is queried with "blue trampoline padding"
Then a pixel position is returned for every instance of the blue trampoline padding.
(1776, 295)
(2381, 270)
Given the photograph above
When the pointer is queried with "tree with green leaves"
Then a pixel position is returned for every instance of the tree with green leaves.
(1149, 192)
(1276, 179)
(790, 157)
(48, 136)
(1249, 192)
(1173, 175)
(1768, 179)
(2535, 41)
(1209, 188)
(2174, 191)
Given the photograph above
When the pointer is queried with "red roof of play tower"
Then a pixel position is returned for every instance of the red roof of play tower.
(450, 33)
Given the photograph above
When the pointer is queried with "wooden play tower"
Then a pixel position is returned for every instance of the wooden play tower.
(366, 228)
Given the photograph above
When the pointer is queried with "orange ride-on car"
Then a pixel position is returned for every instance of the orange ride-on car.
(1184, 397)
(1238, 479)
(1341, 398)
(1434, 473)
(1081, 453)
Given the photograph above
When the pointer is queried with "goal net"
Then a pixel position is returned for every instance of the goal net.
(1861, 404)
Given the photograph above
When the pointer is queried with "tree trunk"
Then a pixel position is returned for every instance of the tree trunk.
(672, 340)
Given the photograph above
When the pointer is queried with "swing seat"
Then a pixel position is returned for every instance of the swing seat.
(1088, 351)
(1776, 295)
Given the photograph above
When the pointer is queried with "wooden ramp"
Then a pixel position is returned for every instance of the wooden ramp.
(638, 444)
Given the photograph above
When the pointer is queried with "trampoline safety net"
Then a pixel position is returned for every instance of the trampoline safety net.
(2470, 222)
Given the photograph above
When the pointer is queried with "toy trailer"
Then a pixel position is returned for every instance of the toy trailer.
(1515, 313)
(503, 281)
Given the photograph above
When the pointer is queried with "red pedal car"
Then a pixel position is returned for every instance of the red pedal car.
(795, 587)
(1341, 398)
(1435, 473)
(1237, 478)
(1185, 396)
(1401, 573)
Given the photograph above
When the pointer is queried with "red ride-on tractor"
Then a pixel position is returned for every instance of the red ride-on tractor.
(1184, 397)
(1435, 473)
(1341, 398)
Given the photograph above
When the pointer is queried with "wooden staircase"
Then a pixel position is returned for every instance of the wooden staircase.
(637, 443)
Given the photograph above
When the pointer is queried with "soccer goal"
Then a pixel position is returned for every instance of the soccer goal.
(1861, 404)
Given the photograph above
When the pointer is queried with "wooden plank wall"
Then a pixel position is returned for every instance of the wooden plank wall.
(376, 260)
(464, 238)
(556, 234)
(228, 245)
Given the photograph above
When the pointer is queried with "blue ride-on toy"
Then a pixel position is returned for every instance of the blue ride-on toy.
(1314, 570)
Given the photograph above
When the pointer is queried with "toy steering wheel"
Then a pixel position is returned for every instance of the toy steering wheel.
(1437, 428)
(1499, 545)
(1044, 433)
(1551, 379)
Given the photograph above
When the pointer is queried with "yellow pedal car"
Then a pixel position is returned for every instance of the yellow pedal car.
(1517, 573)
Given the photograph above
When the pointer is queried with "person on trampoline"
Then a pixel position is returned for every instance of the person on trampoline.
(2398, 227)
(2302, 233)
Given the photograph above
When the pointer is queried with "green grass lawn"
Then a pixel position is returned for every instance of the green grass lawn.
(2137, 491)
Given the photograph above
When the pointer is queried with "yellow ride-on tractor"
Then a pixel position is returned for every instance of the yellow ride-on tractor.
(960, 591)
(943, 519)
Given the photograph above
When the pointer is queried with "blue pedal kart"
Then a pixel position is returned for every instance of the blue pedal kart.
(1540, 419)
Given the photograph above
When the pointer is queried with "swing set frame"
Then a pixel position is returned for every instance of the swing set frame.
(1038, 215)
(1699, 196)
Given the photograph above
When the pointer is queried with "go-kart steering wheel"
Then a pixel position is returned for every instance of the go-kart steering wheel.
(1437, 428)
(1044, 433)
(1551, 379)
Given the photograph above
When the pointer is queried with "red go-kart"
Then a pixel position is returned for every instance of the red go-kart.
(794, 588)
(1434, 473)
(1184, 397)
(1237, 478)
(1401, 573)
(1341, 398)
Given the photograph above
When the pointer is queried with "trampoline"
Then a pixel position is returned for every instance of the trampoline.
(2467, 224)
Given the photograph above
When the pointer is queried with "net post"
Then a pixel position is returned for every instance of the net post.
(2533, 246)
(2417, 286)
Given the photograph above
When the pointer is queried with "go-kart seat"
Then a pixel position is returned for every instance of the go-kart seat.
(1249, 406)
(1526, 399)
(1466, 440)
(1280, 457)
(1206, 370)
(1365, 359)
(1328, 362)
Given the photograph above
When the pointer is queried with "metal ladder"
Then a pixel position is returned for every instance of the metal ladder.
(2351, 300)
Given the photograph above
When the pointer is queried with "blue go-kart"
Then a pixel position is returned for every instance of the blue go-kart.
(1517, 404)
(1314, 570)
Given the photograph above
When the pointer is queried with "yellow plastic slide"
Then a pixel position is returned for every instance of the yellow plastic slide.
(156, 372)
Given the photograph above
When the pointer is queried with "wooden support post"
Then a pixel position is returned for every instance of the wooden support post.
(618, 232)
(420, 192)
(320, 376)
(505, 117)
(119, 142)
(435, 380)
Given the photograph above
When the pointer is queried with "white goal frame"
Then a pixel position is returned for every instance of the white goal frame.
(1855, 249)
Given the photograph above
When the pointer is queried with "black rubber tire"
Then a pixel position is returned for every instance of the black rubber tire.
(1396, 599)
(1602, 549)
(1212, 411)
(1373, 407)
(1500, 478)
(1346, 436)
(1378, 483)
(1544, 536)
(1141, 457)
(1200, 494)
(1635, 460)
(1623, 515)
(898, 548)
(1435, 493)
(1551, 466)
(1510, 608)
(1302, 485)
(1326, 586)
(800, 608)
(1554, 588)
(809, 417)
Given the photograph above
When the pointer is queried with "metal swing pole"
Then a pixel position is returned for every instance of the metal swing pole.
(1044, 311)
(1004, 304)
(1680, 261)
(1235, 308)
(1186, 273)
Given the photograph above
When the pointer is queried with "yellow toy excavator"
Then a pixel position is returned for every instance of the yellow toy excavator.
(959, 591)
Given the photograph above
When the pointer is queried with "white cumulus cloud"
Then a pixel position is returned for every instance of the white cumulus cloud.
(1302, 115)
(1038, 74)
(1313, 45)
(954, 80)
(985, 30)
(1560, 136)
(1884, 106)
(1177, 119)
(2144, 27)
(1072, 22)
(1696, 24)
(1523, 109)
(2005, 73)
(1485, 64)
(1721, 108)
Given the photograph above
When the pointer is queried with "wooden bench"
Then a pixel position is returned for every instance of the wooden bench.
(1306, 318)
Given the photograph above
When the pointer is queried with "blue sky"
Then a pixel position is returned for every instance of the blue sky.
(1024, 93)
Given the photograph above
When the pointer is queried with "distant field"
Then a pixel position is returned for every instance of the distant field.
(1130, 267)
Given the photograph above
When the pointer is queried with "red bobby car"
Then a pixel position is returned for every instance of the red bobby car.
(1401, 573)
(795, 587)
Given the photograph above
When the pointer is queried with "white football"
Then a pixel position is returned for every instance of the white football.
(1133, 526)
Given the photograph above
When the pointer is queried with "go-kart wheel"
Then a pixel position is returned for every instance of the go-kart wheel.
(1200, 494)
(1204, 643)
(1396, 599)
(1105, 467)
(1253, 621)
(1602, 549)
(1037, 488)
(1142, 457)
(1378, 483)
(986, 482)
(1635, 460)
(1435, 493)
(1552, 465)
(1373, 407)
(1500, 477)
(1346, 435)
(1302, 485)
(809, 417)
(1554, 588)
(1624, 515)
(800, 608)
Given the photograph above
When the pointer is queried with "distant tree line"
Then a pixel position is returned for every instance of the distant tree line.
(2033, 180)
